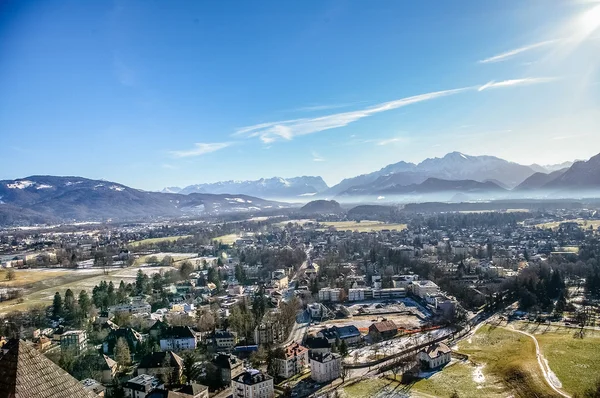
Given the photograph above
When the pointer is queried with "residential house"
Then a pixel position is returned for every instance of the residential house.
(228, 366)
(268, 333)
(74, 341)
(42, 343)
(252, 384)
(93, 386)
(178, 338)
(165, 364)
(131, 336)
(349, 334)
(294, 361)
(140, 386)
(223, 340)
(325, 367)
(108, 367)
(382, 330)
(192, 390)
(317, 345)
(435, 356)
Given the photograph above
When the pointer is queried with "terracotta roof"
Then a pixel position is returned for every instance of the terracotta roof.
(24, 372)
(294, 350)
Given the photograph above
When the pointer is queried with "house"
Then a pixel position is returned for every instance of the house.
(42, 343)
(268, 333)
(25, 372)
(325, 367)
(223, 340)
(74, 341)
(131, 336)
(280, 281)
(317, 345)
(133, 308)
(330, 334)
(382, 330)
(157, 329)
(349, 334)
(161, 364)
(140, 386)
(252, 384)
(228, 367)
(109, 369)
(294, 361)
(187, 391)
(435, 356)
(178, 338)
(93, 386)
(423, 287)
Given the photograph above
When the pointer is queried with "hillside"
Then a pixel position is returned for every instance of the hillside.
(321, 207)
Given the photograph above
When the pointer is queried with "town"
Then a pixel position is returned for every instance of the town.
(296, 307)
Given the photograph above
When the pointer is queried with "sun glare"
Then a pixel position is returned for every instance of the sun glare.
(590, 21)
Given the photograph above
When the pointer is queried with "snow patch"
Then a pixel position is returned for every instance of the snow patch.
(308, 194)
(116, 188)
(43, 186)
(478, 376)
(239, 200)
(98, 186)
(69, 183)
(380, 197)
(20, 184)
(463, 156)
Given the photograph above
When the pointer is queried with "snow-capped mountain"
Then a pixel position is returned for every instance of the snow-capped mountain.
(171, 190)
(275, 187)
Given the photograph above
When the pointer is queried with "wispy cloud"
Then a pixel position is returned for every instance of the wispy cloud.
(125, 74)
(508, 54)
(390, 141)
(201, 148)
(168, 166)
(317, 157)
(287, 129)
(314, 108)
(516, 82)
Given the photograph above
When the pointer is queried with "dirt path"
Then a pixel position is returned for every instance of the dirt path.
(549, 375)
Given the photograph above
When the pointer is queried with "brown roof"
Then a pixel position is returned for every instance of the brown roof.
(294, 349)
(25, 373)
(435, 350)
(385, 326)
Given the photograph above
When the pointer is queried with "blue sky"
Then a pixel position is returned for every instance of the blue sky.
(161, 93)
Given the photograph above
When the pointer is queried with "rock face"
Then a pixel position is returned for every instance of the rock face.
(321, 207)
(275, 187)
(583, 175)
(44, 199)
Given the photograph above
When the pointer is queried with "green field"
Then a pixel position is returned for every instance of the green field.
(501, 363)
(574, 360)
(362, 226)
(157, 240)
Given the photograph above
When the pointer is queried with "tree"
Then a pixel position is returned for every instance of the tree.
(272, 360)
(85, 304)
(122, 353)
(69, 304)
(167, 261)
(57, 306)
(189, 360)
(186, 269)
(344, 373)
(343, 349)
(11, 274)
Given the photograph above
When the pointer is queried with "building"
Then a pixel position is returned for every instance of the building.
(268, 333)
(224, 340)
(108, 367)
(93, 386)
(280, 281)
(187, 391)
(424, 287)
(25, 372)
(389, 293)
(135, 307)
(348, 334)
(294, 361)
(140, 385)
(161, 363)
(435, 356)
(325, 367)
(42, 343)
(131, 336)
(329, 294)
(74, 341)
(229, 367)
(252, 384)
(382, 330)
(178, 338)
(317, 345)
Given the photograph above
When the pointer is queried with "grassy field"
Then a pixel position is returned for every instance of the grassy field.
(157, 240)
(583, 223)
(27, 277)
(42, 291)
(228, 239)
(572, 359)
(363, 226)
(501, 363)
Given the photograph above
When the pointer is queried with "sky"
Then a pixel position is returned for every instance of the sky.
(160, 93)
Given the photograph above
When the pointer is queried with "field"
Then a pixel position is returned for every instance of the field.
(501, 363)
(583, 223)
(26, 277)
(228, 239)
(157, 240)
(51, 281)
(362, 226)
(574, 360)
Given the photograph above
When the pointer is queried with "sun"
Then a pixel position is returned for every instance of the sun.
(590, 21)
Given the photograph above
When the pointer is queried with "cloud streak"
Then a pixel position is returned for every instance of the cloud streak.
(201, 148)
(317, 157)
(509, 54)
(288, 129)
(516, 82)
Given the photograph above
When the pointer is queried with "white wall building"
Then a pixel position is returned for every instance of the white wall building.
(325, 367)
(252, 384)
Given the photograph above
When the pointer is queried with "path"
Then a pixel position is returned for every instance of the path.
(550, 377)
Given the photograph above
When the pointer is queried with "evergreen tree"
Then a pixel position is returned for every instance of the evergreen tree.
(57, 308)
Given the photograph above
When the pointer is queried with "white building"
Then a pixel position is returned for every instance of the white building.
(135, 307)
(140, 386)
(424, 287)
(295, 360)
(252, 384)
(178, 338)
(325, 367)
(435, 355)
(224, 340)
(329, 294)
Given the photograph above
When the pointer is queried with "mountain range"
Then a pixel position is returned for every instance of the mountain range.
(44, 199)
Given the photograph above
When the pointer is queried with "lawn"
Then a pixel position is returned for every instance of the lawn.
(501, 363)
(42, 291)
(373, 387)
(362, 226)
(157, 240)
(583, 223)
(228, 239)
(572, 359)
(25, 277)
